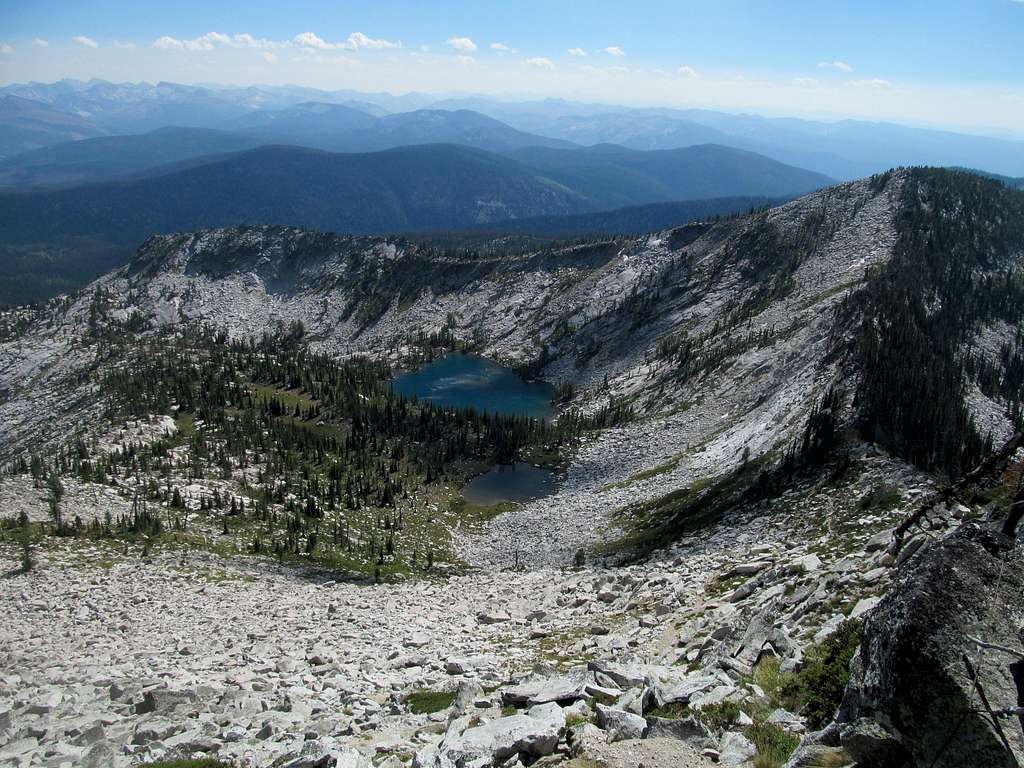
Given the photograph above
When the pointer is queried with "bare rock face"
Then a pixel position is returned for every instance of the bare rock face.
(910, 700)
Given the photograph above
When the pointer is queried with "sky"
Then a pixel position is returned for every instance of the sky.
(947, 63)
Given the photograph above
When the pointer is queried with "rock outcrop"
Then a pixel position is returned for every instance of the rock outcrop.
(910, 699)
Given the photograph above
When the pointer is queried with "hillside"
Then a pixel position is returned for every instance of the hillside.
(329, 127)
(751, 413)
(107, 157)
(337, 128)
(26, 124)
(617, 176)
(411, 188)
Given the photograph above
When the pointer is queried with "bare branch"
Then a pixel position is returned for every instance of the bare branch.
(995, 647)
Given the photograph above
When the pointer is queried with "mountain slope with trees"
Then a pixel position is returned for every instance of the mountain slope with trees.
(742, 419)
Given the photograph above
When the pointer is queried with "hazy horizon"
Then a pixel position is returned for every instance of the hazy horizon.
(527, 97)
(937, 65)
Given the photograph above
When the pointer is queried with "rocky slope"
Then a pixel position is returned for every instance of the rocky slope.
(755, 518)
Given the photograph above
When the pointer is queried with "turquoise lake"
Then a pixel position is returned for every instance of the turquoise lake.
(469, 381)
(509, 482)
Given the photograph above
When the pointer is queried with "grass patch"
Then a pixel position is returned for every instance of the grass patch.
(774, 745)
(289, 398)
(475, 515)
(653, 523)
(721, 716)
(573, 720)
(186, 424)
(426, 702)
(770, 679)
(647, 474)
(673, 711)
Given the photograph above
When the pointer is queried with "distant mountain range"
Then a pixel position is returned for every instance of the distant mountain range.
(110, 157)
(425, 187)
(316, 125)
(26, 124)
(843, 149)
(359, 122)
(338, 128)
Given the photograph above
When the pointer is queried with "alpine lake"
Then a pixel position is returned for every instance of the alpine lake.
(461, 380)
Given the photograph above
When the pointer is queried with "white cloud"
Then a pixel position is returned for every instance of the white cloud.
(128, 45)
(687, 71)
(614, 50)
(269, 57)
(245, 40)
(461, 44)
(874, 83)
(307, 40)
(840, 65)
(465, 59)
(310, 40)
(502, 48)
(540, 61)
(168, 42)
(359, 40)
(578, 52)
(805, 82)
(40, 43)
(88, 42)
(205, 42)
(5, 48)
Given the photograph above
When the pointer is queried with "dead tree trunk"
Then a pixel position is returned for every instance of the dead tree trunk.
(993, 464)
(1017, 670)
(1016, 511)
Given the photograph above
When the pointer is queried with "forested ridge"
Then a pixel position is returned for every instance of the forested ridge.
(956, 265)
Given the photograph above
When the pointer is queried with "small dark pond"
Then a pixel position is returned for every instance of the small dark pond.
(509, 482)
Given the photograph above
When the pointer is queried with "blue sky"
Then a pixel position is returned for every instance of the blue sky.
(938, 62)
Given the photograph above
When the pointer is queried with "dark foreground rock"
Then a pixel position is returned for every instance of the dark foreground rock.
(910, 700)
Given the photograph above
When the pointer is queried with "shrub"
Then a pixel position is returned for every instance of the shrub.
(27, 561)
(822, 681)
